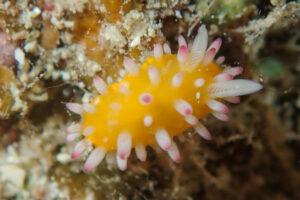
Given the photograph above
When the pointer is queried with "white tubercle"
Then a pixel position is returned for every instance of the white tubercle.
(148, 120)
(90, 108)
(75, 108)
(124, 143)
(140, 152)
(158, 51)
(220, 60)
(167, 49)
(124, 89)
(191, 119)
(223, 77)
(163, 139)
(234, 71)
(71, 137)
(130, 66)
(146, 99)
(221, 116)
(122, 163)
(232, 99)
(183, 107)
(74, 128)
(174, 152)
(153, 75)
(217, 106)
(94, 159)
(199, 47)
(209, 56)
(202, 131)
(100, 85)
(182, 54)
(199, 82)
(115, 105)
(235, 87)
(177, 80)
(88, 130)
(198, 95)
(181, 41)
(80, 147)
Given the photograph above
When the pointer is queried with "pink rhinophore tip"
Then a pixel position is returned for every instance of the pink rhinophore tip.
(216, 44)
(188, 111)
(174, 152)
(163, 139)
(217, 106)
(122, 163)
(94, 159)
(79, 148)
(124, 143)
(182, 54)
(183, 107)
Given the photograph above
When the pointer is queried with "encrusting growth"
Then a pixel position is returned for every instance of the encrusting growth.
(153, 103)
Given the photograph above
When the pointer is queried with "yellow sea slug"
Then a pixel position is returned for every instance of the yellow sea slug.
(157, 101)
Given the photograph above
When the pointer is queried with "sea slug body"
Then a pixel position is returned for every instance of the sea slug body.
(157, 101)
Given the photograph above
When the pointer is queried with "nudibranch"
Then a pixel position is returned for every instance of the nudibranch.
(153, 103)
